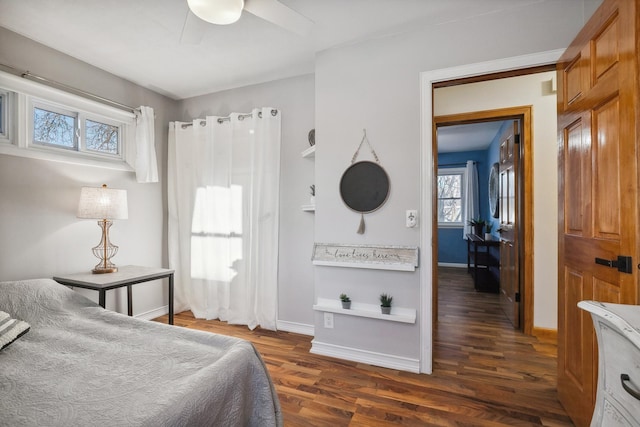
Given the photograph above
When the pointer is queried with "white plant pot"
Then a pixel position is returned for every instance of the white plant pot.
(312, 200)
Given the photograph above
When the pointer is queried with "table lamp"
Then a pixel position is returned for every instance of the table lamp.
(103, 204)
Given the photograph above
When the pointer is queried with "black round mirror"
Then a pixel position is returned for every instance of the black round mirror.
(364, 186)
(494, 190)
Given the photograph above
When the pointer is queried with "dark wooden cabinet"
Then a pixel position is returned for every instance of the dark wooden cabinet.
(483, 263)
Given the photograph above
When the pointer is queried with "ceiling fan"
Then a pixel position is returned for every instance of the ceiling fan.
(222, 12)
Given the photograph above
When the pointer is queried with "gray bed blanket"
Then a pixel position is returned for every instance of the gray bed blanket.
(81, 365)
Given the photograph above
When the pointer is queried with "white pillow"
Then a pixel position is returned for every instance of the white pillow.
(11, 329)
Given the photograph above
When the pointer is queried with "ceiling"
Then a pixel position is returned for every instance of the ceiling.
(142, 40)
(468, 137)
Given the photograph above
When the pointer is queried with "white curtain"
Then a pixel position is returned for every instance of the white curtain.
(223, 193)
(146, 165)
(471, 203)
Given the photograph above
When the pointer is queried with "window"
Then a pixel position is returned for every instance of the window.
(41, 122)
(450, 197)
(101, 137)
(2, 110)
(4, 116)
(56, 127)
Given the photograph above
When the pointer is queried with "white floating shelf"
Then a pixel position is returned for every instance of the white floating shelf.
(309, 208)
(372, 311)
(309, 152)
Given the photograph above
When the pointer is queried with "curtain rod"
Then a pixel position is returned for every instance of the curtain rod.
(455, 164)
(67, 88)
(220, 120)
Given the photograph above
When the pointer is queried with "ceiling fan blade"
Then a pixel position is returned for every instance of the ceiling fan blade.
(193, 29)
(281, 15)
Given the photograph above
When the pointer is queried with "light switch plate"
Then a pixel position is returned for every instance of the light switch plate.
(411, 218)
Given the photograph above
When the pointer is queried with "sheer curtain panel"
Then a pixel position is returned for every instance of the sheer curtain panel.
(146, 165)
(223, 185)
(471, 203)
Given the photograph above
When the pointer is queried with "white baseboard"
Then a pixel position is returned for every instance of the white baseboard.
(451, 264)
(364, 356)
(297, 328)
(282, 325)
(152, 314)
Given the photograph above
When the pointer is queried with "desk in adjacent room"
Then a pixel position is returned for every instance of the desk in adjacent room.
(486, 264)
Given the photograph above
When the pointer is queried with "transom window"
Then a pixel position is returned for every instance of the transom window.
(102, 137)
(2, 120)
(41, 122)
(450, 197)
(4, 115)
(72, 130)
(54, 128)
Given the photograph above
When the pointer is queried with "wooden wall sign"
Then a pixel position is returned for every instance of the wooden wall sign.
(403, 258)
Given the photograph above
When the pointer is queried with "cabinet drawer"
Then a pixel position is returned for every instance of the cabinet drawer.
(614, 417)
(620, 357)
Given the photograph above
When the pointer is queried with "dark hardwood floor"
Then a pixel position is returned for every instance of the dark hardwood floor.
(485, 373)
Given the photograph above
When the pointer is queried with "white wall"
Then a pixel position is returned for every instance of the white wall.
(40, 235)
(376, 85)
(533, 90)
(295, 98)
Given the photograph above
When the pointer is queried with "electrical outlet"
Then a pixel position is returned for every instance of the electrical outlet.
(328, 320)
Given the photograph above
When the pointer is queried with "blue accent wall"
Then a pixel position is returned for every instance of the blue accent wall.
(452, 247)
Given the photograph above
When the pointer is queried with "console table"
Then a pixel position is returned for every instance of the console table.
(128, 276)
(486, 263)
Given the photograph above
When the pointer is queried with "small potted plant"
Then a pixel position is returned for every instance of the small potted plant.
(312, 189)
(478, 225)
(487, 231)
(385, 303)
(346, 301)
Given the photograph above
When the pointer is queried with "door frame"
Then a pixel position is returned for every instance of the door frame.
(427, 167)
(525, 222)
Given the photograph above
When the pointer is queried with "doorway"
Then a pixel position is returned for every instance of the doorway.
(517, 302)
(546, 180)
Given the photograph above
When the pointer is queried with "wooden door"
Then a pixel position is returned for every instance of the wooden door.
(509, 214)
(597, 134)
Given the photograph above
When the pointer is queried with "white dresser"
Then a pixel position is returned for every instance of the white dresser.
(618, 329)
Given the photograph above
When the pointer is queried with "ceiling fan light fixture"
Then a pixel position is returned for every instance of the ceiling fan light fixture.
(220, 12)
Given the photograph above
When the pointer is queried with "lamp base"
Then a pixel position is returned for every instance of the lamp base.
(101, 270)
(104, 251)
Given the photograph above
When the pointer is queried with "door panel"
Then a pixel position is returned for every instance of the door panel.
(577, 164)
(509, 235)
(607, 171)
(598, 202)
(574, 287)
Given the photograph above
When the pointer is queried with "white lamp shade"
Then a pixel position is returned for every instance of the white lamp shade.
(221, 12)
(103, 203)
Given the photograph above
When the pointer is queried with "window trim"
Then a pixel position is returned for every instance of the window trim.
(23, 94)
(463, 174)
(7, 119)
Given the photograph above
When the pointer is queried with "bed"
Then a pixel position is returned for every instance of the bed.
(81, 365)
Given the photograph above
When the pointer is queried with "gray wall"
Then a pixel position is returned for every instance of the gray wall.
(375, 85)
(295, 98)
(40, 235)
